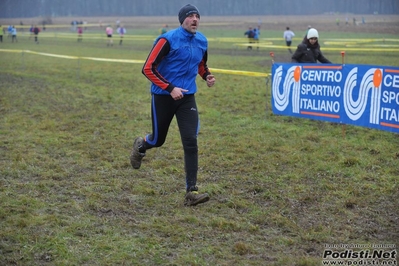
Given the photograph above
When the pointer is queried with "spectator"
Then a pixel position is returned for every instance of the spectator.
(122, 31)
(164, 29)
(73, 25)
(288, 35)
(309, 50)
(80, 34)
(14, 34)
(109, 31)
(256, 37)
(9, 30)
(250, 33)
(36, 31)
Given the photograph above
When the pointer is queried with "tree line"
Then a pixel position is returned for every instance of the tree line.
(91, 8)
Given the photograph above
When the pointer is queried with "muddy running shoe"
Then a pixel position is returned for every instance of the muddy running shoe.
(136, 156)
(193, 198)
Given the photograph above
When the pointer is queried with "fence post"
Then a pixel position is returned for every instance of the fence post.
(266, 95)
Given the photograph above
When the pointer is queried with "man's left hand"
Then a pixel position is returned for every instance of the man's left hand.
(210, 80)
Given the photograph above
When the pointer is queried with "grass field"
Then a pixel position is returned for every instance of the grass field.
(281, 188)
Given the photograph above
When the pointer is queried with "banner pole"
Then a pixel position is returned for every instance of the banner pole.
(272, 56)
(343, 63)
(267, 80)
(343, 55)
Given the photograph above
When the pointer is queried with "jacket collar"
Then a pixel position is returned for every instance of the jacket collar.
(186, 33)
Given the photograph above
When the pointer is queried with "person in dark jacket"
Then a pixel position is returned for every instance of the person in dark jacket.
(36, 31)
(250, 34)
(309, 50)
(172, 66)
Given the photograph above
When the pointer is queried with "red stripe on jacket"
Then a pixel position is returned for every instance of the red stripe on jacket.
(158, 52)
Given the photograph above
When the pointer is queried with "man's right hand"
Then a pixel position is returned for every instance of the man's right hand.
(177, 93)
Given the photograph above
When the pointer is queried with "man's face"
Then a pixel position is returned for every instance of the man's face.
(191, 23)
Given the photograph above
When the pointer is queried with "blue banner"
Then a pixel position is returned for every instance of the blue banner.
(360, 95)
